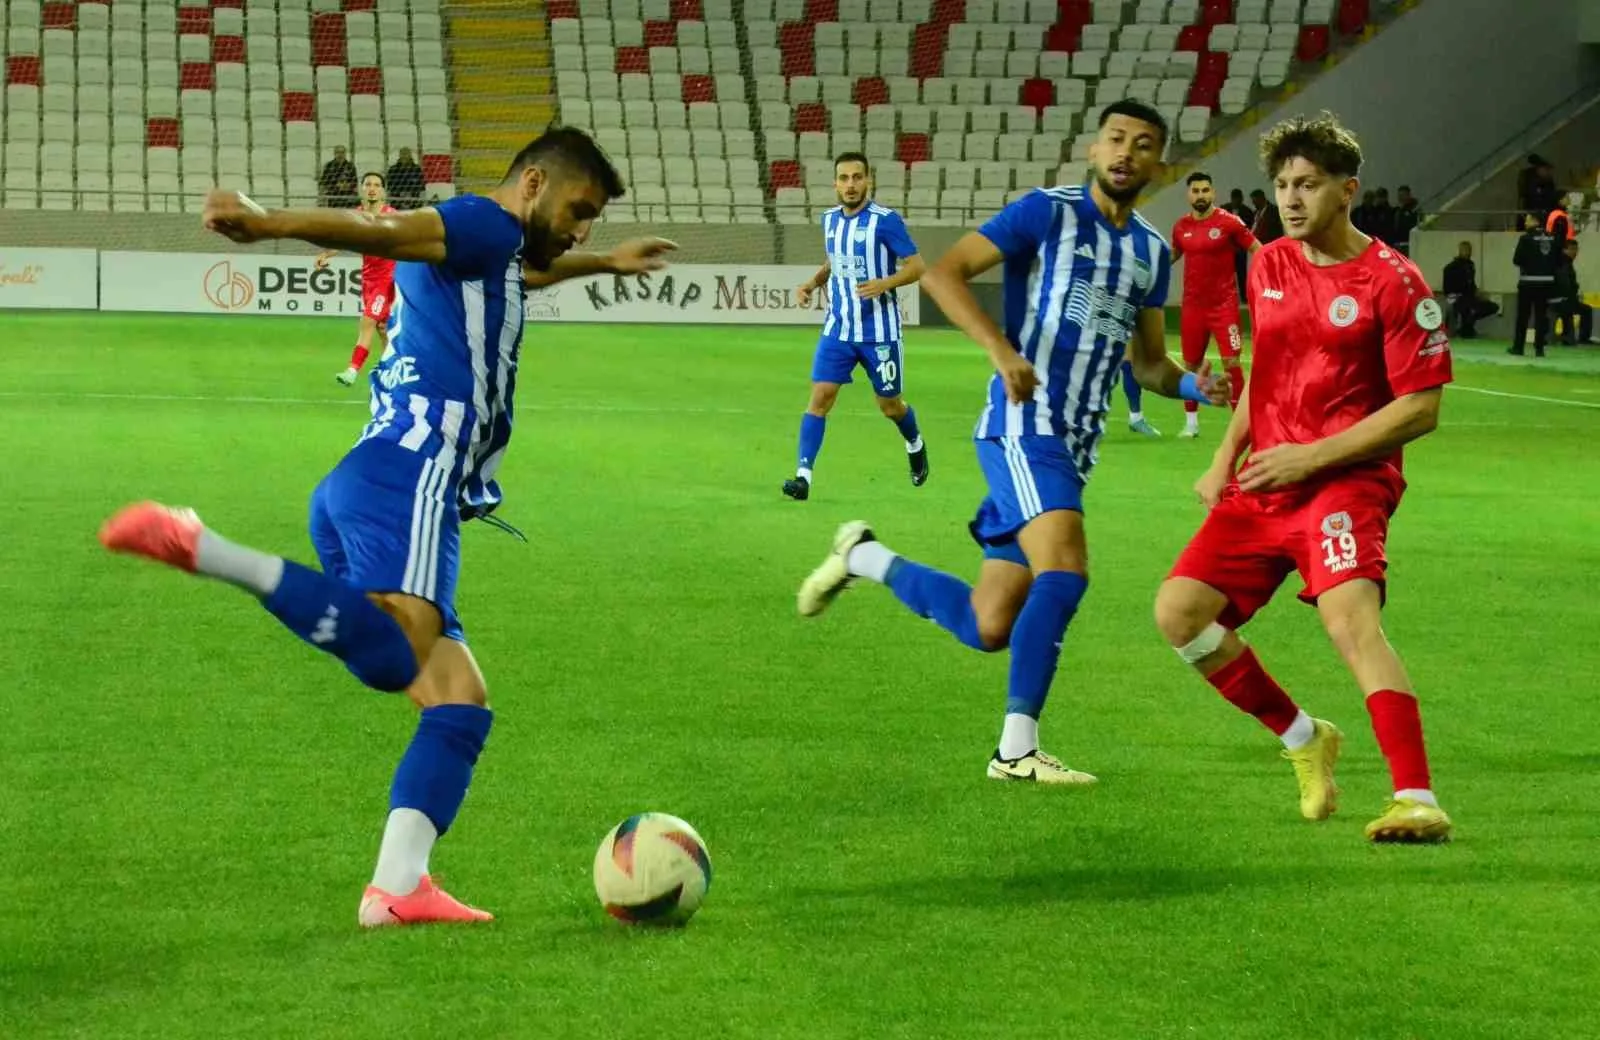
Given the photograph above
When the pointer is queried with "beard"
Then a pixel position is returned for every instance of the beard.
(1121, 196)
(540, 245)
(1200, 208)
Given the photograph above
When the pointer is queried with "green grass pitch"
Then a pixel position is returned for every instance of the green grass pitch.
(193, 799)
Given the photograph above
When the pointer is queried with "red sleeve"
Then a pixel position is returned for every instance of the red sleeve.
(1242, 236)
(1416, 348)
(1177, 241)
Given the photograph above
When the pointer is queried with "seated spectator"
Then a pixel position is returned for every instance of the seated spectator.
(1566, 303)
(1467, 307)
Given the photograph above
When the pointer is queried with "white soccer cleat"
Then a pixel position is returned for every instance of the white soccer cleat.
(1190, 432)
(1038, 768)
(833, 576)
(347, 377)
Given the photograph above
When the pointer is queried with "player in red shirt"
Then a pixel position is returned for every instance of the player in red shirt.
(377, 282)
(1350, 361)
(1212, 239)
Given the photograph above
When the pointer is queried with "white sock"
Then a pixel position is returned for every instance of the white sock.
(250, 569)
(870, 560)
(403, 857)
(1417, 794)
(914, 446)
(804, 473)
(1299, 733)
(1191, 420)
(1135, 417)
(1019, 736)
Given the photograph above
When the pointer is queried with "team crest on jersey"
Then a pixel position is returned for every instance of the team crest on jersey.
(1215, 233)
(883, 353)
(1343, 311)
(1335, 524)
(860, 235)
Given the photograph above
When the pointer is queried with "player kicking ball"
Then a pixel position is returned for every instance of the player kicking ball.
(864, 241)
(1085, 278)
(1212, 239)
(386, 521)
(377, 283)
(1350, 362)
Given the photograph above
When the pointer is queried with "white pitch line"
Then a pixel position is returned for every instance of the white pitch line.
(1526, 397)
(361, 403)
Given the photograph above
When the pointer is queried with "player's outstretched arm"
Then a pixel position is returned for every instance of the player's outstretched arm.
(947, 282)
(1156, 371)
(634, 256)
(812, 284)
(1378, 436)
(416, 234)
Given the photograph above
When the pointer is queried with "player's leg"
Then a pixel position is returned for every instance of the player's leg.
(886, 370)
(1524, 315)
(830, 369)
(375, 305)
(1135, 395)
(1541, 320)
(1228, 572)
(1230, 344)
(1343, 561)
(1194, 335)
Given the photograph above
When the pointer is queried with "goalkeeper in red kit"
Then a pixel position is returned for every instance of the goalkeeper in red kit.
(1350, 361)
(1212, 239)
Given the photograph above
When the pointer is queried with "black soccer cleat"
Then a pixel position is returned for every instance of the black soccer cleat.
(797, 488)
(919, 466)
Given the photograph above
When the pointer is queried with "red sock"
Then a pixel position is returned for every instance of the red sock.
(358, 357)
(1398, 726)
(1248, 687)
(1235, 385)
(1191, 407)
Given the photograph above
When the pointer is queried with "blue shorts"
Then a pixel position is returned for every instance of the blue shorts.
(386, 520)
(1026, 476)
(836, 360)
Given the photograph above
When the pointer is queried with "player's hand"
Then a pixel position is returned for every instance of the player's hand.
(1216, 387)
(235, 216)
(1211, 484)
(802, 295)
(1019, 376)
(641, 254)
(873, 289)
(1278, 466)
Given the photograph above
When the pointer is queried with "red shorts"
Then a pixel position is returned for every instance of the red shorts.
(376, 301)
(1249, 544)
(1197, 327)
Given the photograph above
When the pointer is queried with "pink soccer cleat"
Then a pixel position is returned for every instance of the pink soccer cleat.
(156, 532)
(426, 904)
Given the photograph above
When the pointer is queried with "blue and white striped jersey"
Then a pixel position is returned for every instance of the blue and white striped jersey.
(1074, 286)
(861, 248)
(446, 379)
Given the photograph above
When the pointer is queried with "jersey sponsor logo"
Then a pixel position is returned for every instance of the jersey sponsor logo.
(398, 371)
(1142, 276)
(1429, 314)
(1344, 311)
(851, 267)
(1438, 343)
(1094, 309)
(1272, 294)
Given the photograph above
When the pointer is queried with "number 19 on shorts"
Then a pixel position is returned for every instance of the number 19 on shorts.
(1339, 552)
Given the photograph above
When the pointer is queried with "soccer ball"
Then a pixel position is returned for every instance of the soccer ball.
(652, 869)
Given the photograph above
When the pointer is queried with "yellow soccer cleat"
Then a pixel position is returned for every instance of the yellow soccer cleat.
(1038, 768)
(1313, 768)
(1409, 822)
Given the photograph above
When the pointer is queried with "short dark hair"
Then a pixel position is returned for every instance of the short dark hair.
(1320, 140)
(374, 173)
(574, 151)
(844, 157)
(1197, 176)
(1133, 108)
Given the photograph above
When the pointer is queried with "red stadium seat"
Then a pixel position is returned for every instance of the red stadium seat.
(633, 59)
(299, 107)
(1074, 12)
(1194, 37)
(161, 133)
(24, 69)
(1314, 41)
(688, 11)
(810, 117)
(237, 5)
(1353, 16)
(366, 81)
(927, 49)
(913, 148)
(62, 16)
(197, 75)
(697, 87)
(1066, 38)
(1204, 95)
(1216, 12)
(562, 9)
(328, 40)
(438, 169)
(797, 42)
(347, 5)
(948, 12)
(869, 91)
(660, 34)
(822, 10)
(195, 21)
(227, 48)
(783, 173)
(1040, 94)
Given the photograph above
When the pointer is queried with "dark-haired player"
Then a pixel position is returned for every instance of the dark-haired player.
(377, 282)
(386, 521)
(1213, 240)
(1350, 361)
(1085, 278)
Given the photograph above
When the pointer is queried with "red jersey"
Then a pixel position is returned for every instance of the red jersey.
(376, 270)
(1212, 246)
(1333, 345)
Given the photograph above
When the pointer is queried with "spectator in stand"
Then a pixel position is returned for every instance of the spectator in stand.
(1268, 226)
(1406, 219)
(1247, 216)
(405, 182)
(1467, 307)
(1383, 218)
(1538, 186)
(1577, 317)
(338, 181)
(1361, 216)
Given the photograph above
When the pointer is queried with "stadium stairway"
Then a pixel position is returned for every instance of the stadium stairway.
(501, 80)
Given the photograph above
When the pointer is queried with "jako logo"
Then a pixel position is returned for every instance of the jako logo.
(228, 289)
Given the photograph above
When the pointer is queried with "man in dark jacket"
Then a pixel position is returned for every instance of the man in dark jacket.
(405, 182)
(1536, 258)
(1467, 308)
(1406, 218)
(1577, 317)
(1268, 226)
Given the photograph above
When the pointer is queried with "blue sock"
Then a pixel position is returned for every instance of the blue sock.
(341, 620)
(1131, 387)
(812, 427)
(1036, 638)
(436, 769)
(938, 597)
(907, 425)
